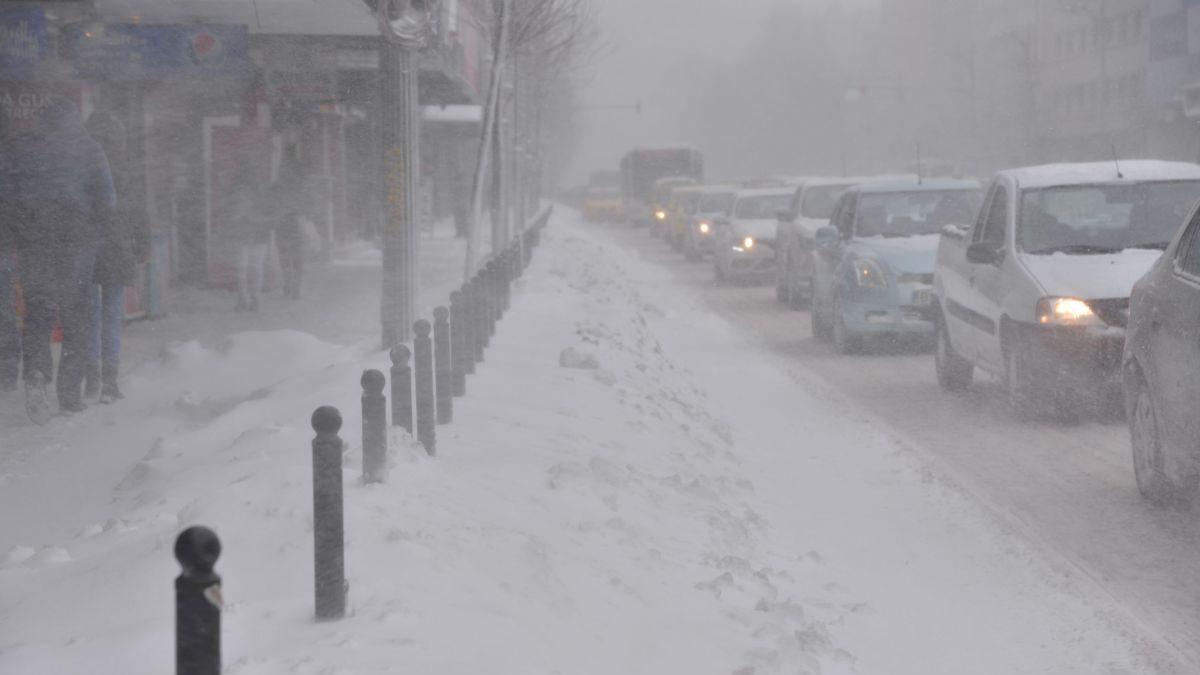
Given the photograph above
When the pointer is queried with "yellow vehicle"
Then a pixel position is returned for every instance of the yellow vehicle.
(664, 190)
(680, 209)
(603, 205)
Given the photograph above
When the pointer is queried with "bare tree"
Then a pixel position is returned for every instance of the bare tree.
(539, 42)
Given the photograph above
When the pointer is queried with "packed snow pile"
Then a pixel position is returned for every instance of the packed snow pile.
(629, 486)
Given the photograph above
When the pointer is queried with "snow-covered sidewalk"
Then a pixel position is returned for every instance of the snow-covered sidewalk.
(670, 503)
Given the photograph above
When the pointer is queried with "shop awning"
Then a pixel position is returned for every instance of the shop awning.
(267, 17)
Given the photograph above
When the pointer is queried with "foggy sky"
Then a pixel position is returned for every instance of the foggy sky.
(646, 40)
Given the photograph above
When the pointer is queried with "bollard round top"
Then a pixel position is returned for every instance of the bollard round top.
(373, 382)
(422, 328)
(400, 355)
(326, 420)
(441, 314)
(197, 549)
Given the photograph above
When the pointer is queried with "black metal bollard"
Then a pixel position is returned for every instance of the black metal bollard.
(458, 344)
(441, 365)
(493, 306)
(426, 417)
(197, 603)
(402, 403)
(470, 328)
(328, 526)
(374, 427)
(508, 272)
(481, 318)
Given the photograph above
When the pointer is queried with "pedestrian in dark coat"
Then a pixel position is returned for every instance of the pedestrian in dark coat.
(57, 180)
(10, 325)
(290, 202)
(124, 242)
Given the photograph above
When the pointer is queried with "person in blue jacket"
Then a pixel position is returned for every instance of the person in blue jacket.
(57, 192)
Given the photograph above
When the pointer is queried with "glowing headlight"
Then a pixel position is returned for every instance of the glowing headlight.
(868, 274)
(660, 214)
(748, 243)
(704, 228)
(1065, 312)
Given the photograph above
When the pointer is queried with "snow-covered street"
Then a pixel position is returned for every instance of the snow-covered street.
(649, 474)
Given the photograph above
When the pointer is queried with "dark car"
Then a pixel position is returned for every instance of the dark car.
(1161, 371)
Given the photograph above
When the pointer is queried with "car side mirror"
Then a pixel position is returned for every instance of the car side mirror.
(984, 253)
(827, 235)
(784, 216)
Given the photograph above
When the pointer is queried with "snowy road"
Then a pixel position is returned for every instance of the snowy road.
(1069, 489)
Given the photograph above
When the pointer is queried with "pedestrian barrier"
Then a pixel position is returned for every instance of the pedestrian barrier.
(441, 363)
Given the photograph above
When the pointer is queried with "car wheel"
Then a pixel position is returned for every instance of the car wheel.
(1149, 456)
(691, 252)
(954, 373)
(718, 273)
(843, 340)
(1020, 381)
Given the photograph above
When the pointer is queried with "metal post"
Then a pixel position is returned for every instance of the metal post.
(328, 527)
(374, 427)
(197, 603)
(426, 416)
(458, 343)
(480, 329)
(441, 365)
(402, 403)
(493, 304)
(400, 135)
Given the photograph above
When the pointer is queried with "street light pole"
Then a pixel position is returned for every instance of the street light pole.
(403, 27)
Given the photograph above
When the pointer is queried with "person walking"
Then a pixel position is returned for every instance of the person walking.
(56, 185)
(10, 325)
(289, 201)
(124, 241)
(251, 225)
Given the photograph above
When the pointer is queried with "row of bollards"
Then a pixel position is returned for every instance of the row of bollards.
(425, 380)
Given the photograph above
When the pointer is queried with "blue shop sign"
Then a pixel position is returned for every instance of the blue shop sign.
(23, 42)
(132, 52)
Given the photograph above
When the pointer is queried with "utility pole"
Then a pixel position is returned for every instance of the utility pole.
(403, 26)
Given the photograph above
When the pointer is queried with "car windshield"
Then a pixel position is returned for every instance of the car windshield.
(1103, 218)
(716, 203)
(760, 207)
(819, 201)
(906, 214)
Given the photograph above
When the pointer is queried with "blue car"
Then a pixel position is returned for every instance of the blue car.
(873, 266)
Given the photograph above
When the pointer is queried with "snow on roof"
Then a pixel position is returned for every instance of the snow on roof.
(927, 185)
(766, 192)
(718, 189)
(820, 181)
(1050, 175)
(270, 17)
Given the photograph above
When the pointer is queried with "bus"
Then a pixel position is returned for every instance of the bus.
(642, 168)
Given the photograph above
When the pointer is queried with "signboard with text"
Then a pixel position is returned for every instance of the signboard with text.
(133, 52)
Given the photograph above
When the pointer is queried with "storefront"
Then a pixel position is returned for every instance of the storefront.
(172, 85)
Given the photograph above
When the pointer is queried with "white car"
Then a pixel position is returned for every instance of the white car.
(744, 240)
(1037, 290)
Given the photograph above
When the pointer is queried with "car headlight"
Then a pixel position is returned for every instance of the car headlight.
(1065, 312)
(748, 243)
(868, 274)
(660, 214)
(704, 228)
